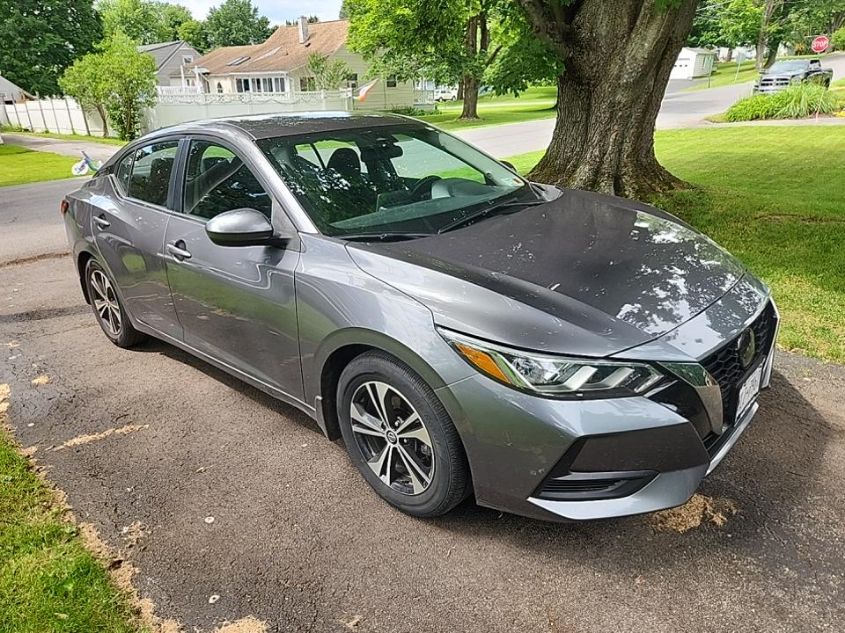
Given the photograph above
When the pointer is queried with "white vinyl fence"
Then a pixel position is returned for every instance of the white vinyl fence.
(178, 107)
(61, 116)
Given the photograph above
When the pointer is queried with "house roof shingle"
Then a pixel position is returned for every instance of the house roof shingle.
(281, 52)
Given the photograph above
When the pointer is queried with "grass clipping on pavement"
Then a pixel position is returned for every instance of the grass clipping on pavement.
(49, 581)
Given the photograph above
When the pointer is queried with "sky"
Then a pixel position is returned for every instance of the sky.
(277, 10)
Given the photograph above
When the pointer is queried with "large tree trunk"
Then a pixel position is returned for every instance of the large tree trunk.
(763, 44)
(618, 58)
(471, 86)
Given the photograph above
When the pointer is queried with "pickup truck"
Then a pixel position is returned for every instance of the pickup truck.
(791, 72)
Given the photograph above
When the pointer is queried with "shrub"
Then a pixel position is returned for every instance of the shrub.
(837, 40)
(796, 102)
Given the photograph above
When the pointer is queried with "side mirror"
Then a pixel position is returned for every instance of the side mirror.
(509, 165)
(241, 227)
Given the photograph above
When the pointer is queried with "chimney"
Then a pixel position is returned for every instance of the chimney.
(303, 29)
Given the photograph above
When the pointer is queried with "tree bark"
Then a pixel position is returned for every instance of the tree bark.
(763, 45)
(102, 112)
(460, 96)
(471, 86)
(618, 58)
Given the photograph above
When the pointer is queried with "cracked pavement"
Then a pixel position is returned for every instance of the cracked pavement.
(300, 542)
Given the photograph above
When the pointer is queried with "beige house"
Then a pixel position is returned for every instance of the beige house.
(279, 68)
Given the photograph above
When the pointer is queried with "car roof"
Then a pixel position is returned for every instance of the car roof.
(274, 125)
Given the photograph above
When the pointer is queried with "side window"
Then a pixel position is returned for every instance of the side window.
(124, 169)
(151, 170)
(216, 180)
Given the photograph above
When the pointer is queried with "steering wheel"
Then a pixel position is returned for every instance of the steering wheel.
(418, 191)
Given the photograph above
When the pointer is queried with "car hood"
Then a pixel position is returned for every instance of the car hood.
(582, 274)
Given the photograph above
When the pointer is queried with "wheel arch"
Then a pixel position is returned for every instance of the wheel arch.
(340, 350)
(82, 259)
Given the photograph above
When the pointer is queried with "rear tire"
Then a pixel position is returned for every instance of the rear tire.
(108, 308)
(400, 437)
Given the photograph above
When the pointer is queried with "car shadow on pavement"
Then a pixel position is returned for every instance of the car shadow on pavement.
(289, 412)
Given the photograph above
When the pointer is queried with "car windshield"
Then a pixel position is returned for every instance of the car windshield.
(405, 179)
(788, 66)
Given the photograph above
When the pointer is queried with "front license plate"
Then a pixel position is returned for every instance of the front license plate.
(748, 391)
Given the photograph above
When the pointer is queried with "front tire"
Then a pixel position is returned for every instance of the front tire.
(108, 307)
(400, 437)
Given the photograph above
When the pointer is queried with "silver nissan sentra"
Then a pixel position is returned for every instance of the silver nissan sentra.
(559, 354)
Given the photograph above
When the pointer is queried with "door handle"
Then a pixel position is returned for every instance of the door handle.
(100, 220)
(178, 250)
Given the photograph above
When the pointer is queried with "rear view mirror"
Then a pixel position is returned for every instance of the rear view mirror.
(241, 227)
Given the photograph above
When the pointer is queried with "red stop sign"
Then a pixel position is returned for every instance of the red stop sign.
(820, 44)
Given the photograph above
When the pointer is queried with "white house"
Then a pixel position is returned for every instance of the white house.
(277, 69)
(693, 63)
(170, 57)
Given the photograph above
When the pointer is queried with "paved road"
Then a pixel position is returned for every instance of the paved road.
(300, 542)
(30, 223)
(97, 151)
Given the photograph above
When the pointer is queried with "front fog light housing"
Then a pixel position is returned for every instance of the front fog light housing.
(554, 376)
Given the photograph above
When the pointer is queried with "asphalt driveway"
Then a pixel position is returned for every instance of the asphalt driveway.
(150, 443)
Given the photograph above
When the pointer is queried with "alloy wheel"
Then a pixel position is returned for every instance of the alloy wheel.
(105, 302)
(392, 437)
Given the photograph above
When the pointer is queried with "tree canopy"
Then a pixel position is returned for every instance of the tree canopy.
(115, 80)
(38, 40)
(234, 23)
(146, 21)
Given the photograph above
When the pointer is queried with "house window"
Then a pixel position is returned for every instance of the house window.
(219, 88)
(307, 84)
(352, 81)
(187, 59)
(267, 84)
(391, 81)
(279, 84)
(242, 85)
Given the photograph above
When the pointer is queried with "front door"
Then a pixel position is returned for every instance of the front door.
(129, 229)
(235, 304)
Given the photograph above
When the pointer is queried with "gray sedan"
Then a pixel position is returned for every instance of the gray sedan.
(559, 354)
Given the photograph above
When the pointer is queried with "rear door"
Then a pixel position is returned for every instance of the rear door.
(129, 228)
(235, 304)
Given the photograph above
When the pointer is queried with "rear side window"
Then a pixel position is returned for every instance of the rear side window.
(151, 169)
(124, 170)
(217, 180)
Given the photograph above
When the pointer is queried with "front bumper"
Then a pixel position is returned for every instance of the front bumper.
(592, 459)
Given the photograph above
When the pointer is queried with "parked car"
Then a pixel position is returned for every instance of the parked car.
(561, 354)
(793, 72)
(446, 93)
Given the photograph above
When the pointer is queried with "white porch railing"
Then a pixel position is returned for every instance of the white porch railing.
(177, 94)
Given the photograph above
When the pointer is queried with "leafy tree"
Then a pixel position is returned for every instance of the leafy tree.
(446, 40)
(171, 19)
(810, 19)
(147, 21)
(193, 32)
(86, 81)
(838, 39)
(343, 14)
(235, 23)
(38, 40)
(524, 59)
(617, 57)
(739, 22)
(115, 79)
(329, 74)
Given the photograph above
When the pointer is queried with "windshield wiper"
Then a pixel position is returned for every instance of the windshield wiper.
(382, 237)
(487, 211)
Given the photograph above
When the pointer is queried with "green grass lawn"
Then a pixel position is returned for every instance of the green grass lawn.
(535, 103)
(774, 197)
(19, 165)
(68, 137)
(48, 581)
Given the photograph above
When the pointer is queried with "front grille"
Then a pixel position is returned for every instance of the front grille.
(726, 367)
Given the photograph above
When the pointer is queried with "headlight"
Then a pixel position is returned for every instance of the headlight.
(555, 376)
